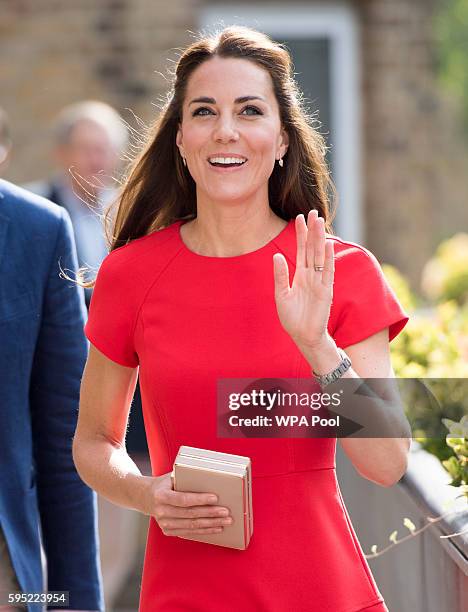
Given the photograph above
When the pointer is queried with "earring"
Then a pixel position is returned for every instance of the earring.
(280, 162)
(184, 160)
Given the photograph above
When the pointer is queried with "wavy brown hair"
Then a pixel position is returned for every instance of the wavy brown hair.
(159, 190)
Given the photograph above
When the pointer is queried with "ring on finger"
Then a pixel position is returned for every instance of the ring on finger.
(318, 268)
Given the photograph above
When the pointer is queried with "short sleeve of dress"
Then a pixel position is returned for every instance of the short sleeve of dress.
(363, 301)
(113, 311)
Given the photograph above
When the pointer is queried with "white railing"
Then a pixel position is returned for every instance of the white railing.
(425, 573)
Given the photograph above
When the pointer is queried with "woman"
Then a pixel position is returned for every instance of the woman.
(233, 175)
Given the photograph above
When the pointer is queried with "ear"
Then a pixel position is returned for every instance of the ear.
(179, 139)
(283, 143)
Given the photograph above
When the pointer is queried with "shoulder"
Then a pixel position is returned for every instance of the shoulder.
(357, 270)
(36, 226)
(42, 188)
(364, 303)
(157, 246)
(347, 252)
(22, 206)
(138, 264)
(125, 278)
(354, 262)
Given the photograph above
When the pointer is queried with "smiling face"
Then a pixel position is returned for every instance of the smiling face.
(231, 131)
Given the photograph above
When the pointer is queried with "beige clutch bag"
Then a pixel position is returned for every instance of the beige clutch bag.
(197, 470)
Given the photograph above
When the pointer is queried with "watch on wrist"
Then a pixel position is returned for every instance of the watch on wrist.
(326, 379)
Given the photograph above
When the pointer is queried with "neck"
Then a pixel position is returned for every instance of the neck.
(218, 233)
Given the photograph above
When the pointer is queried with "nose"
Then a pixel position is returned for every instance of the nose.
(225, 130)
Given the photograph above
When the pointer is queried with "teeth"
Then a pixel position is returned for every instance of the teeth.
(227, 160)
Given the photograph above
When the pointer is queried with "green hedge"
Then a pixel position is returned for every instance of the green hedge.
(434, 344)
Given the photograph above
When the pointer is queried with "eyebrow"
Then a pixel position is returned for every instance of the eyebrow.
(240, 100)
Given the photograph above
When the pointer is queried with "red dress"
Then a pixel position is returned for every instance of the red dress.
(187, 320)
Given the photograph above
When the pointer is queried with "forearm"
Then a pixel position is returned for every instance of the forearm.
(110, 471)
(380, 459)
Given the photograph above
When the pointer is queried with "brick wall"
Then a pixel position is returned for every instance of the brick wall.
(56, 52)
(416, 182)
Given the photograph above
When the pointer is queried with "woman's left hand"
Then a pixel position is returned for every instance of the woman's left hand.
(304, 308)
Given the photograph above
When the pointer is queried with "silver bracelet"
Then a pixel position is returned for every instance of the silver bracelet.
(326, 379)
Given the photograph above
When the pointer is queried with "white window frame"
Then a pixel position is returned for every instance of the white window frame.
(337, 22)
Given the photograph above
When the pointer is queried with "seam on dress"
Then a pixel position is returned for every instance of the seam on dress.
(371, 604)
(153, 407)
(321, 469)
(142, 238)
(291, 444)
(283, 251)
(158, 276)
(163, 422)
(354, 245)
(364, 565)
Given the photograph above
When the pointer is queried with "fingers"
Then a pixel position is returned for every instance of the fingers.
(315, 241)
(165, 511)
(193, 525)
(310, 239)
(301, 240)
(186, 500)
(317, 253)
(281, 274)
(196, 520)
(182, 513)
(185, 532)
(329, 265)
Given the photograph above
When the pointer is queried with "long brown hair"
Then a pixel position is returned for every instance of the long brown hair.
(159, 190)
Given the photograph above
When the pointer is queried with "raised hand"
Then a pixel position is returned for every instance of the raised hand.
(304, 308)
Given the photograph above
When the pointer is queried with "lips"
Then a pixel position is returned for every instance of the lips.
(226, 161)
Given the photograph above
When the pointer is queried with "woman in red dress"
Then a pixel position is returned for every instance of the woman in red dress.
(223, 265)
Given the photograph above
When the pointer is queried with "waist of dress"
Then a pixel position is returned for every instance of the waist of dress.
(275, 457)
(286, 472)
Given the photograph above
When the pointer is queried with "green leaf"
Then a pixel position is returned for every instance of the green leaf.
(453, 442)
(453, 467)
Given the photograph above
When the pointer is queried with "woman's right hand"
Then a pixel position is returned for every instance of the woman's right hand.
(184, 514)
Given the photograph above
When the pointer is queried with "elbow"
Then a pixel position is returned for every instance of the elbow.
(390, 482)
(391, 472)
(83, 460)
(78, 454)
(395, 474)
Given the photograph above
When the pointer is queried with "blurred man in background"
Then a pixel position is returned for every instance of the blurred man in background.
(90, 138)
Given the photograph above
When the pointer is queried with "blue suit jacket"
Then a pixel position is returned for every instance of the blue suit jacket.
(42, 356)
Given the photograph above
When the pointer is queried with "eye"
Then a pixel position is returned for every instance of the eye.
(199, 113)
(256, 111)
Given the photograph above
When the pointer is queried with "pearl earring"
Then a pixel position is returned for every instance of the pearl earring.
(184, 160)
(280, 162)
